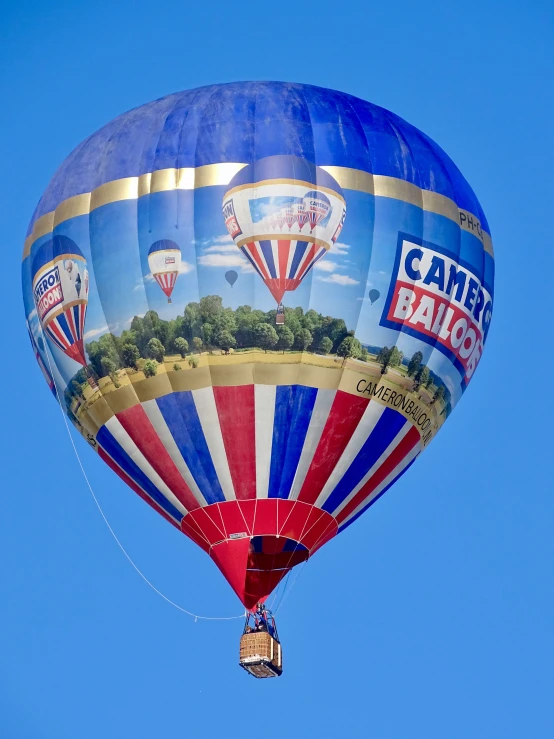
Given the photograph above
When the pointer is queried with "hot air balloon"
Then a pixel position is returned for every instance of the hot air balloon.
(264, 456)
(283, 185)
(231, 276)
(374, 295)
(60, 284)
(164, 260)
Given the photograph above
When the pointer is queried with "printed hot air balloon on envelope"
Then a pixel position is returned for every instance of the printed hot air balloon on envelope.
(266, 208)
(60, 289)
(164, 260)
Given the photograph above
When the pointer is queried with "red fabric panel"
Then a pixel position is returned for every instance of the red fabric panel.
(266, 517)
(312, 535)
(206, 525)
(215, 514)
(405, 446)
(307, 261)
(193, 534)
(233, 520)
(343, 420)
(292, 525)
(231, 557)
(259, 584)
(235, 409)
(276, 287)
(137, 424)
(132, 484)
(283, 250)
(247, 509)
(255, 255)
(328, 534)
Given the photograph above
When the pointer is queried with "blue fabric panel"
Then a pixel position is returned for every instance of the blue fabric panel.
(354, 518)
(297, 258)
(247, 121)
(267, 251)
(293, 410)
(108, 442)
(386, 429)
(179, 412)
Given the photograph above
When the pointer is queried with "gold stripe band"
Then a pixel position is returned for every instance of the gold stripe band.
(284, 181)
(284, 237)
(209, 175)
(354, 378)
(392, 187)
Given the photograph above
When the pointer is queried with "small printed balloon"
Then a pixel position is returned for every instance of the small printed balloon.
(231, 276)
(374, 295)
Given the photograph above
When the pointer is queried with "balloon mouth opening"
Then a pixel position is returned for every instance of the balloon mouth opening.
(256, 543)
(255, 567)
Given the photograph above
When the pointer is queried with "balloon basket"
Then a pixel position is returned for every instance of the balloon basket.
(260, 649)
(261, 654)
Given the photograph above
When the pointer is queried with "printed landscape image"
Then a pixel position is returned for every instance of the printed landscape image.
(209, 335)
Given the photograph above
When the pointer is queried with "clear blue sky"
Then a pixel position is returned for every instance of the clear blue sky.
(431, 617)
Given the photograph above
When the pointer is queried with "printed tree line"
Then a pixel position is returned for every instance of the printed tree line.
(416, 369)
(207, 325)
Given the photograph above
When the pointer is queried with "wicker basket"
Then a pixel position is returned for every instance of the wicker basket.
(260, 654)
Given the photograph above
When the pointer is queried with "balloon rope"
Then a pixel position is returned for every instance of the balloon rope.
(112, 532)
(287, 589)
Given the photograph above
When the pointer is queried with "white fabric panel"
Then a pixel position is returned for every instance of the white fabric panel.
(320, 414)
(397, 470)
(206, 408)
(264, 396)
(162, 429)
(372, 414)
(129, 447)
(388, 451)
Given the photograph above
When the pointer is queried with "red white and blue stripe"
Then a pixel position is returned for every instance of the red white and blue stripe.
(226, 463)
(282, 263)
(66, 330)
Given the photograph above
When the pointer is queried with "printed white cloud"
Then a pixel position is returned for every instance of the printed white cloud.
(130, 320)
(339, 280)
(226, 260)
(324, 266)
(185, 268)
(96, 332)
(32, 314)
(223, 239)
(230, 248)
(339, 248)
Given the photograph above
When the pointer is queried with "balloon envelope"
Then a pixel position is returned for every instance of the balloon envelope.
(263, 455)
